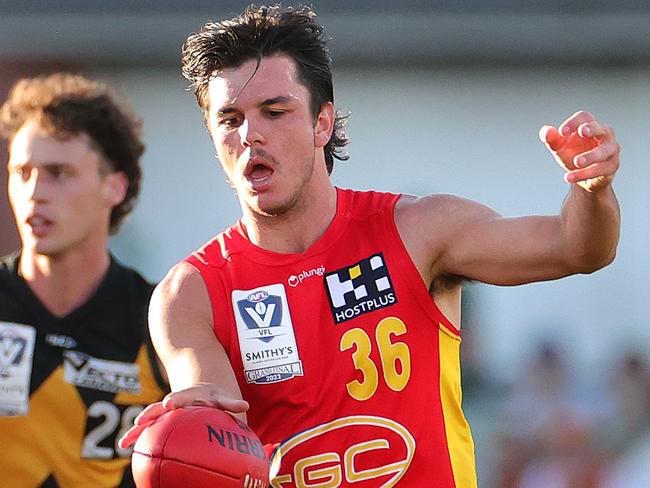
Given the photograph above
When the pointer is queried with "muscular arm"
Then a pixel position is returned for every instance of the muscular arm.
(181, 325)
(447, 235)
(198, 369)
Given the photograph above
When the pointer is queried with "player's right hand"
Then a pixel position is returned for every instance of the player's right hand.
(207, 394)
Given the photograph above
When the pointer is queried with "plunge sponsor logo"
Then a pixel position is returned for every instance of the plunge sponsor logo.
(361, 288)
(295, 280)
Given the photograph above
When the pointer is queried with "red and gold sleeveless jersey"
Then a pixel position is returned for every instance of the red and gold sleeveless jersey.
(343, 355)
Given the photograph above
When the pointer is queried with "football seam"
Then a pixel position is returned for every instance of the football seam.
(202, 468)
(185, 463)
(162, 452)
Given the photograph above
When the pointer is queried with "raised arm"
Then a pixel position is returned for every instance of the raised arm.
(447, 235)
(181, 326)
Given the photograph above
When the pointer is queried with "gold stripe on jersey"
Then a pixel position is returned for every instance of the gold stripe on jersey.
(459, 438)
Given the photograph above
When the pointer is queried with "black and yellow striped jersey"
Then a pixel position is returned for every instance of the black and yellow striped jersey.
(83, 379)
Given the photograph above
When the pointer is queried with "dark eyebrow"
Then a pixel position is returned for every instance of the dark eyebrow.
(226, 111)
(46, 165)
(275, 100)
(263, 103)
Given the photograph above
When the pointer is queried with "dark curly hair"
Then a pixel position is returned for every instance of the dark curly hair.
(265, 31)
(65, 104)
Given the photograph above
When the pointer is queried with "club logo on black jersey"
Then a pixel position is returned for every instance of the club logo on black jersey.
(360, 288)
(100, 374)
(12, 349)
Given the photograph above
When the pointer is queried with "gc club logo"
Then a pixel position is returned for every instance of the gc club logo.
(365, 450)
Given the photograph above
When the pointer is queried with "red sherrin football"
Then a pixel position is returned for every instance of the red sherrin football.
(199, 447)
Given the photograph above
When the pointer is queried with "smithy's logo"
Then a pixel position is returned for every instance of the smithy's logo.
(267, 341)
(360, 288)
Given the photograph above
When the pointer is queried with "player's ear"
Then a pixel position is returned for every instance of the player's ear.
(324, 125)
(115, 186)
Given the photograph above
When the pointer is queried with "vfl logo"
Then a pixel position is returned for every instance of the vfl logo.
(266, 337)
(261, 311)
(12, 350)
(360, 288)
(363, 450)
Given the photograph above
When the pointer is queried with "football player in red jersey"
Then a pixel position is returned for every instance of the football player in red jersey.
(354, 372)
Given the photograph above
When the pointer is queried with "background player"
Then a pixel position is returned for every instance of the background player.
(356, 370)
(76, 364)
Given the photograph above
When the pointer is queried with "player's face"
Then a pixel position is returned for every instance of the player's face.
(265, 135)
(61, 198)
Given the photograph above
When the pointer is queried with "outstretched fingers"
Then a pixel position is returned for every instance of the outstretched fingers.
(141, 422)
(205, 394)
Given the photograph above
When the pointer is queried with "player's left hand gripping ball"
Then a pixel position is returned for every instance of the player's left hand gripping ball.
(199, 447)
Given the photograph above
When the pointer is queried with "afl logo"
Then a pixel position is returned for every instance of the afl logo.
(368, 451)
(258, 296)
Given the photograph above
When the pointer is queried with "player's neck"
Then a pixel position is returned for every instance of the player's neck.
(296, 230)
(63, 283)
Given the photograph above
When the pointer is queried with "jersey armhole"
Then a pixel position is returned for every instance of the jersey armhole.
(215, 288)
(408, 270)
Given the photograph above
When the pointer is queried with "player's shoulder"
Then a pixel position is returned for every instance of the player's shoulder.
(442, 206)
(182, 278)
(182, 293)
(437, 220)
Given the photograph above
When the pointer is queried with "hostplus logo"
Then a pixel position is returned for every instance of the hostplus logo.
(361, 288)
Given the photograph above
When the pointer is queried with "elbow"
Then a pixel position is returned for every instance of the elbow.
(589, 263)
